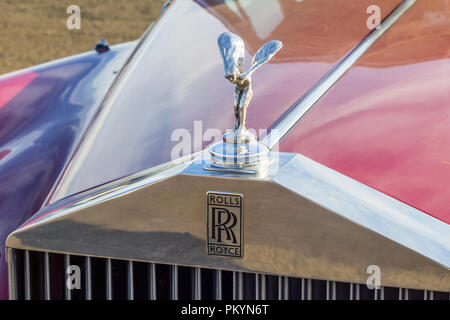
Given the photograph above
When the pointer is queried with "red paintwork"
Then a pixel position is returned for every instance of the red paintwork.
(387, 122)
(180, 79)
(4, 153)
(10, 87)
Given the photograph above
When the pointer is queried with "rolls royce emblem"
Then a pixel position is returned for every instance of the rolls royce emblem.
(224, 217)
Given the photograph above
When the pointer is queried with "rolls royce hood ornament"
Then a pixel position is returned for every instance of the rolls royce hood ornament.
(240, 151)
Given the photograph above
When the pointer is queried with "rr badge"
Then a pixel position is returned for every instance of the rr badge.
(224, 216)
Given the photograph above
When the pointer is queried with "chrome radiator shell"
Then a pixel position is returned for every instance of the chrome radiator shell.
(303, 220)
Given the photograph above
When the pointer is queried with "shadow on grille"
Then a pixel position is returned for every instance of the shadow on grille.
(39, 275)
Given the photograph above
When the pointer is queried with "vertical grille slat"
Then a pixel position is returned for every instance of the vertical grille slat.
(27, 276)
(331, 290)
(152, 281)
(197, 283)
(68, 293)
(238, 287)
(130, 281)
(263, 287)
(47, 289)
(260, 287)
(42, 275)
(218, 284)
(12, 275)
(88, 270)
(283, 288)
(309, 289)
(174, 283)
(109, 283)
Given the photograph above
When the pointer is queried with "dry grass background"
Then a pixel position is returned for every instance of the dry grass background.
(34, 31)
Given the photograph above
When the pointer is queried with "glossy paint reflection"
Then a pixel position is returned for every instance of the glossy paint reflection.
(386, 123)
(176, 78)
(40, 126)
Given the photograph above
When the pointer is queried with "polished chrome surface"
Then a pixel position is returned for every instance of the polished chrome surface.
(310, 98)
(238, 287)
(197, 283)
(12, 273)
(130, 281)
(218, 285)
(174, 282)
(354, 291)
(331, 290)
(232, 50)
(317, 212)
(240, 151)
(27, 276)
(68, 292)
(152, 280)
(109, 282)
(260, 287)
(88, 268)
(46, 276)
(283, 288)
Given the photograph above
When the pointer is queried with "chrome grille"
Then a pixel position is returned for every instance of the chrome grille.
(41, 275)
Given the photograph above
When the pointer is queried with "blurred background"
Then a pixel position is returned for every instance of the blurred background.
(34, 31)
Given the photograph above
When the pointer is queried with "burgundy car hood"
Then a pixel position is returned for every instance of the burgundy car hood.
(384, 124)
(176, 79)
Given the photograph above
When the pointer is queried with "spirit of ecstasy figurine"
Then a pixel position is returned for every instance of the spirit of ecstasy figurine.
(240, 152)
(232, 50)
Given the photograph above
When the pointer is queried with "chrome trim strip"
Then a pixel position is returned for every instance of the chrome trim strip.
(328, 290)
(197, 279)
(280, 288)
(46, 276)
(302, 295)
(286, 288)
(238, 288)
(331, 290)
(260, 287)
(218, 285)
(308, 289)
(68, 292)
(283, 288)
(27, 276)
(152, 280)
(263, 287)
(354, 291)
(11, 256)
(88, 275)
(257, 287)
(109, 282)
(130, 280)
(313, 95)
(173, 282)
